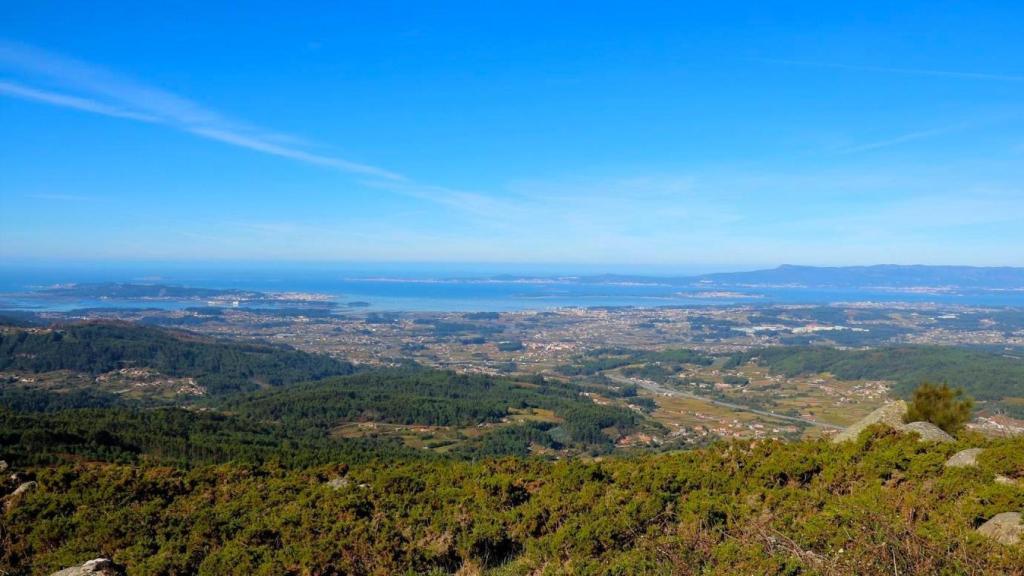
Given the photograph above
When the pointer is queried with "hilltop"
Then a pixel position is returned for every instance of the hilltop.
(103, 357)
(884, 503)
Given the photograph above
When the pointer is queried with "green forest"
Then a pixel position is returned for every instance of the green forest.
(276, 423)
(221, 367)
(287, 421)
(881, 505)
(988, 377)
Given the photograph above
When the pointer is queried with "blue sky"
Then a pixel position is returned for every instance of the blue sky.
(682, 135)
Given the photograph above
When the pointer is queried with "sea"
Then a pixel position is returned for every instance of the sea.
(423, 288)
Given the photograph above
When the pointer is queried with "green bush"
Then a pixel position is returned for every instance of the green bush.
(941, 405)
(880, 506)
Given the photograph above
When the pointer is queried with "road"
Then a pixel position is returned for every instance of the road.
(659, 389)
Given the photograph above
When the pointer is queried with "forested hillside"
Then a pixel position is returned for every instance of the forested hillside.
(263, 400)
(885, 504)
(175, 437)
(606, 359)
(294, 425)
(991, 378)
(221, 367)
(436, 398)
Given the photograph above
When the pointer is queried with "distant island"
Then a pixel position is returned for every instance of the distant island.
(887, 276)
(165, 292)
(787, 283)
(125, 291)
(878, 276)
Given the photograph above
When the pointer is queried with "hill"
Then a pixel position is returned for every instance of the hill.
(383, 413)
(262, 395)
(219, 367)
(125, 291)
(504, 416)
(883, 504)
(883, 275)
(877, 276)
(995, 380)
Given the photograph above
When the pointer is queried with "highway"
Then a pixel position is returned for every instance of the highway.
(659, 389)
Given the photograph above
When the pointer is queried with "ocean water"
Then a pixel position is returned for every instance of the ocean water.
(419, 288)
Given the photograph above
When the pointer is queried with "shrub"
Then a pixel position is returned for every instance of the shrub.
(941, 405)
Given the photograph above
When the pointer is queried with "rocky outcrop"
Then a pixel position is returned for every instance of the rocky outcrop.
(25, 488)
(969, 458)
(97, 567)
(19, 493)
(890, 414)
(927, 431)
(1006, 480)
(337, 482)
(964, 458)
(1005, 528)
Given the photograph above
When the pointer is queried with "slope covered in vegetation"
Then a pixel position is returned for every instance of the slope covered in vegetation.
(881, 505)
(436, 398)
(221, 367)
(985, 376)
(174, 437)
(295, 424)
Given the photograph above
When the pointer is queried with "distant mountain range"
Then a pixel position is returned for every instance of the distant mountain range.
(884, 275)
(127, 291)
(879, 276)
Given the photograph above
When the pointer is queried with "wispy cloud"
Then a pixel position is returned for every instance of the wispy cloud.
(897, 70)
(68, 83)
(81, 86)
(65, 101)
(900, 139)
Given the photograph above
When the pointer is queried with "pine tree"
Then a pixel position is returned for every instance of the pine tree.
(941, 405)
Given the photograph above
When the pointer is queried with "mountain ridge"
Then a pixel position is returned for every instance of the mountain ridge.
(877, 275)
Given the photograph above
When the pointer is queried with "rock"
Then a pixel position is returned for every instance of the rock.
(1006, 481)
(3, 466)
(97, 567)
(24, 488)
(19, 492)
(1005, 528)
(964, 458)
(337, 482)
(929, 432)
(890, 414)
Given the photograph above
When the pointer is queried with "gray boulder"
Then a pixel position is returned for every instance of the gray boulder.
(1005, 528)
(19, 492)
(3, 466)
(1006, 480)
(25, 488)
(929, 432)
(97, 567)
(964, 458)
(890, 414)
